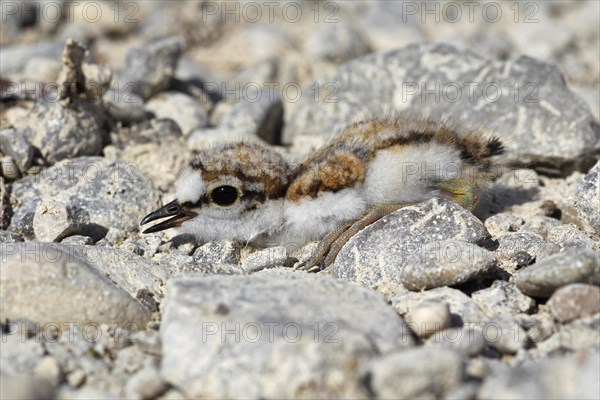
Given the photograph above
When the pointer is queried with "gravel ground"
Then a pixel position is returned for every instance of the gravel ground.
(103, 102)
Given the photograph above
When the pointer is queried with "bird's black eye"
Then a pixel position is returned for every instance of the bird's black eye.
(224, 195)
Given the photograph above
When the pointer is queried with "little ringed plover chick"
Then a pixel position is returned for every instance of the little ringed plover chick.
(250, 193)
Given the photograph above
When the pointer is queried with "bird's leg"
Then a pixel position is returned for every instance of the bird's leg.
(464, 192)
(330, 245)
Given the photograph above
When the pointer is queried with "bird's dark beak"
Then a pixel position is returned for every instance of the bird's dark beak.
(172, 209)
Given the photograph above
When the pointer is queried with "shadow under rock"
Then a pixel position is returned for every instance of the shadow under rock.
(500, 198)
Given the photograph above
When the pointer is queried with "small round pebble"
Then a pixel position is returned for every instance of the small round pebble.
(575, 301)
(428, 318)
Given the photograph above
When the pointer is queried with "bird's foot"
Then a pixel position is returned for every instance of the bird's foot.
(329, 247)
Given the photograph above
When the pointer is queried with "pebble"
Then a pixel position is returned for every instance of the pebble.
(569, 377)
(268, 258)
(94, 184)
(19, 355)
(377, 255)
(149, 69)
(462, 309)
(504, 333)
(10, 169)
(540, 225)
(43, 282)
(468, 340)
(520, 248)
(412, 373)
(181, 108)
(588, 198)
(145, 384)
(502, 223)
(427, 318)
(260, 115)
(76, 378)
(503, 298)
(575, 301)
(14, 144)
(60, 132)
(9, 237)
(337, 43)
(223, 252)
(14, 58)
(54, 221)
(444, 264)
(49, 370)
(321, 338)
(572, 266)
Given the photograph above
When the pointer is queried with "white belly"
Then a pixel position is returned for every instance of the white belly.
(406, 174)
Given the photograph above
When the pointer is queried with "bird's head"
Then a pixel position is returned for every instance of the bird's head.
(234, 192)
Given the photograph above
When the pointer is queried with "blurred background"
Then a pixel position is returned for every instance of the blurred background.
(299, 41)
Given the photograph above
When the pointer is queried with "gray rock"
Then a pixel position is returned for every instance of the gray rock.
(565, 232)
(10, 28)
(502, 223)
(266, 258)
(130, 272)
(127, 108)
(114, 194)
(411, 373)
(427, 318)
(570, 377)
(10, 169)
(149, 69)
(468, 340)
(520, 248)
(575, 301)
(212, 333)
(61, 132)
(77, 240)
(9, 237)
(24, 387)
(79, 351)
(548, 124)
(551, 249)
(54, 221)
(14, 58)
(42, 69)
(579, 334)
(14, 144)
(572, 266)
(540, 225)
(463, 310)
(465, 391)
(49, 370)
(379, 22)
(145, 384)
(444, 264)
(5, 209)
(588, 200)
(259, 114)
(20, 355)
(224, 252)
(505, 334)
(338, 42)
(539, 326)
(181, 108)
(47, 283)
(376, 255)
(503, 298)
